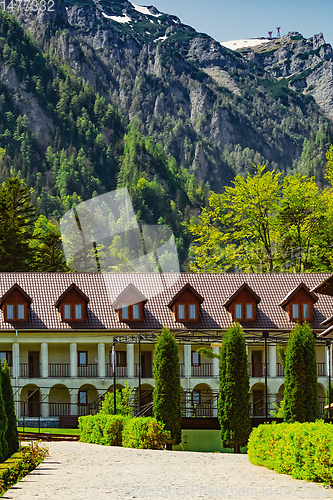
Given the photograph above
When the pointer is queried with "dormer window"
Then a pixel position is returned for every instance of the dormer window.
(72, 304)
(15, 304)
(130, 304)
(242, 304)
(186, 304)
(299, 303)
(10, 311)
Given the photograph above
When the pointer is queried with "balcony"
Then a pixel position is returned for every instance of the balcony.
(89, 370)
(321, 369)
(258, 369)
(146, 370)
(29, 370)
(57, 409)
(59, 370)
(279, 370)
(121, 371)
(202, 370)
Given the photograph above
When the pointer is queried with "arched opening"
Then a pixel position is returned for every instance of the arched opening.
(88, 400)
(146, 407)
(30, 401)
(59, 401)
(203, 401)
(257, 398)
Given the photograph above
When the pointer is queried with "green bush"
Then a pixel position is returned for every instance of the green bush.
(102, 429)
(145, 432)
(20, 464)
(302, 450)
(117, 430)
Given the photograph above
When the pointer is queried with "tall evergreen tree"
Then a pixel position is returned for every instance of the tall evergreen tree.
(301, 393)
(17, 216)
(167, 384)
(8, 398)
(3, 427)
(234, 400)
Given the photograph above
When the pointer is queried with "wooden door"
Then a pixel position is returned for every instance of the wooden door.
(258, 403)
(257, 365)
(33, 361)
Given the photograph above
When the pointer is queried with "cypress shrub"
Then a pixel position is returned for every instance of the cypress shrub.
(167, 384)
(301, 393)
(11, 434)
(234, 400)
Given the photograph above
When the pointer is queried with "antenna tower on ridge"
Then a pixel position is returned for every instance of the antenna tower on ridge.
(279, 32)
(270, 34)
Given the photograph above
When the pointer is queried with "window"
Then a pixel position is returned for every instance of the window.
(10, 311)
(83, 397)
(195, 358)
(196, 397)
(120, 358)
(249, 311)
(124, 312)
(295, 311)
(192, 311)
(82, 358)
(238, 311)
(67, 311)
(6, 356)
(306, 311)
(181, 311)
(136, 311)
(20, 311)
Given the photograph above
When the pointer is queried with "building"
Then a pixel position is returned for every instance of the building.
(58, 330)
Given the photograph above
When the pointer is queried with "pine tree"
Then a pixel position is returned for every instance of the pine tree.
(234, 400)
(7, 393)
(301, 392)
(4, 453)
(17, 216)
(167, 384)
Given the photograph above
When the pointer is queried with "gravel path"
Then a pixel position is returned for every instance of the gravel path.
(79, 471)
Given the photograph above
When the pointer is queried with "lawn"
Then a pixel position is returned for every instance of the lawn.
(72, 432)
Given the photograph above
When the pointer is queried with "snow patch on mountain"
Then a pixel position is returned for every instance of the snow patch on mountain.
(240, 44)
(145, 10)
(118, 19)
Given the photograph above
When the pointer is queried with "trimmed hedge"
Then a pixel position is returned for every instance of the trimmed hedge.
(302, 450)
(117, 430)
(20, 464)
(102, 429)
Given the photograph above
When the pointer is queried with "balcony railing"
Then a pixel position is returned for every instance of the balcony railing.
(146, 370)
(258, 369)
(29, 370)
(321, 369)
(89, 370)
(279, 370)
(202, 370)
(59, 370)
(57, 409)
(121, 371)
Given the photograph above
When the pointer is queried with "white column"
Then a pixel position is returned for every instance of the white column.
(73, 360)
(16, 375)
(187, 360)
(16, 359)
(130, 360)
(44, 351)
(101, 360)
(73, 400)
(44, 397)
(272, 360)
(216, 361)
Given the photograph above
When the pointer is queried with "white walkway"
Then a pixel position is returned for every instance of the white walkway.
(78, 471)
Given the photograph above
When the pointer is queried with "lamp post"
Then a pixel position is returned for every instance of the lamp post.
(114, 376)
(139, 374)
(265, 336)
(328, 344)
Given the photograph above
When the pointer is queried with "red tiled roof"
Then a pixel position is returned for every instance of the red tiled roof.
(103, 290)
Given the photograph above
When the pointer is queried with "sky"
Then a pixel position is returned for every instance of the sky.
(239, 19)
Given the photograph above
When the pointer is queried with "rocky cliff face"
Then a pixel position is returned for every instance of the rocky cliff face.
(203, 102)
(306, 64)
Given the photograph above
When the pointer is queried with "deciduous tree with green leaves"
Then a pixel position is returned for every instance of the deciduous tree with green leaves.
(167, 384)
(301, 393)
(234, 400)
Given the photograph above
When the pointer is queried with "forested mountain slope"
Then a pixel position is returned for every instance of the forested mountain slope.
(214, 110)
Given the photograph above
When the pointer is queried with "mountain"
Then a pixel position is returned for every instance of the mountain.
(216, 111)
